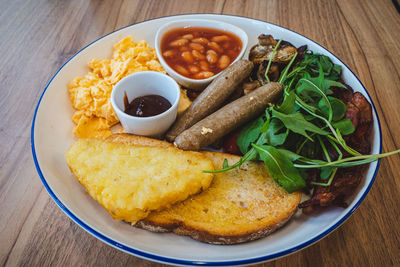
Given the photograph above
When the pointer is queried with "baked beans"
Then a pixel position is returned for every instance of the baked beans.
(199, 53)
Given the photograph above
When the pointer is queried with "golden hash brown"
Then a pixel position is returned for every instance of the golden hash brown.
(129, 181)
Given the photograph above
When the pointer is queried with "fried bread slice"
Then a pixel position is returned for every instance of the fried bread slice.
(131, 179)
(241, 205)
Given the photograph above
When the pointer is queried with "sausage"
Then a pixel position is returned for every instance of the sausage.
(212, 97)
(228, 118)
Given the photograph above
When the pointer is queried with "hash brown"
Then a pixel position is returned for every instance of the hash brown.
(129, 181)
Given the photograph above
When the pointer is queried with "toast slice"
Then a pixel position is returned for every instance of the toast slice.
(130, 180)
(241, 205)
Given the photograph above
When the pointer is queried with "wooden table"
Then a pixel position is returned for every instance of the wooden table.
(37, 37)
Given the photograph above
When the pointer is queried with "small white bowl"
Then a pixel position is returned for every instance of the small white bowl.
(203, 23)
(140, 84)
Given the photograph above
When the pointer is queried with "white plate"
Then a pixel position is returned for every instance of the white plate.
(52, 136)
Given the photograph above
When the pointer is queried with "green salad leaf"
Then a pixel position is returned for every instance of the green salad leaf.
(249, 134)
(345, 126)
(337, 107)
(288, 104)
(274, 135)
(302, 130)
(296, 123)
(281, 168)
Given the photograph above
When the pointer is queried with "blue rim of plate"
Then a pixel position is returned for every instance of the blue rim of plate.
(162, 259)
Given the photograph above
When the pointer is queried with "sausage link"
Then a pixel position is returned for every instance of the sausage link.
(228, 118)
(212, 97)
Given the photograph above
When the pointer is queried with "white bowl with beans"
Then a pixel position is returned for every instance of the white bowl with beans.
(196, 51)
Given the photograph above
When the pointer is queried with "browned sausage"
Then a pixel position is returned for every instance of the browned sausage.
(212, 97)
(228, 118)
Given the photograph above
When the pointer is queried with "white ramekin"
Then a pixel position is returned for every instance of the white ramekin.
(141, 84)
(214, 24)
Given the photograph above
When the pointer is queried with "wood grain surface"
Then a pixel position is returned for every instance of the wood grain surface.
(37, 37)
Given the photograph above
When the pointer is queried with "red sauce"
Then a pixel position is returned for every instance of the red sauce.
(146, 106)
(200, 53)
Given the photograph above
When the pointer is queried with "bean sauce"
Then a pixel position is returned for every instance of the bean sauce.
(199, 53)
(146, 106)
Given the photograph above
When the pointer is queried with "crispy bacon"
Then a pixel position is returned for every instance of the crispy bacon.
(360, 139)
(346, 180)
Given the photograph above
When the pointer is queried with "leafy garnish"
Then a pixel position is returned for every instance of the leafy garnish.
(270, 60)
(308, 122)
(296, 123)
(338, 108)
(281, 168)
(287, 105)
(225, 164)
(345, 126)
(274, 135)
(249, 134)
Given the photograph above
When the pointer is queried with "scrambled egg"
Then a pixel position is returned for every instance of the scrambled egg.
(90, 95)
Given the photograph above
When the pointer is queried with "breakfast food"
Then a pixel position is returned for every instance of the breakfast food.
(240, 205)
(146, 106)
(200, 53)
(297, 125)
(263, 51)
(228, 118)
(212, 97)
(129, 181)
(359, 111)
(90, 95)
(316, 137)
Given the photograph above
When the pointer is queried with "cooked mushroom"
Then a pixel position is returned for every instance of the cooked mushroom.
(273, 72)
(250, 86)
(266, 40)
(263, 50)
